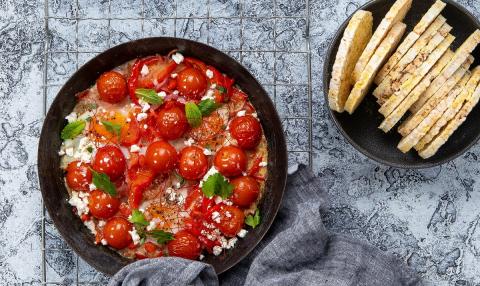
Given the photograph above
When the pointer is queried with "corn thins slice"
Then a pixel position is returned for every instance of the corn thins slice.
(413, 96)
(451, 127)
(381, 54)
(409, 141)
(412, 122)
(461, 54)
(384, 89)
(356, 36)
(466, 92)
(411, 38)
(395, 15)
(416, 75)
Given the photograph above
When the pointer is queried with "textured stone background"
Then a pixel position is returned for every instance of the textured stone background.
(428, 218)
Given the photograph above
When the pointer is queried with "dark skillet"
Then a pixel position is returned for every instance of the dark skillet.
(51, 176)
(361, 128)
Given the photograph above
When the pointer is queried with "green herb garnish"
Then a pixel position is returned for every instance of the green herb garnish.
(254, 220)
(148, 95)
(103, 183)
(112, 127)
(222, 89)
(73, 129)
(207, 106)
(138, 218)
(218, 185)
(161, 236)
(193, 113)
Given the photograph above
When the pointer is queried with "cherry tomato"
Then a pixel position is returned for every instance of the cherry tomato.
(112, 87)
(161, 157)
(246, 130)
(191, 83)
(231, 220)
(193, 164)
(245, 191)
(210, 127)
(110, 160)
(184, 245)
(116, 233)
(231, 161)
(130, 133)
(102, 205)
(171, 122)
(78, 176)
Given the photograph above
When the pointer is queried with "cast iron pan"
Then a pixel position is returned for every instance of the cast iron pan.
(51, 176)
(361, 128)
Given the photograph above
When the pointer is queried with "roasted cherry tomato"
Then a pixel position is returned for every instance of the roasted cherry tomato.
(231, 161)
(102, 205)
(130, 133)
(78, 176)
(112, 87)
(245, 191)
(161, 157)
(184, 245)
(193, 164)
(246, 130)
(110, 160)
(171, 122)
(116, 233)
(231, 220)
(210, 127)
(191, 83)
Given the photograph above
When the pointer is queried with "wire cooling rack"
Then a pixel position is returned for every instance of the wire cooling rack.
(271, 38)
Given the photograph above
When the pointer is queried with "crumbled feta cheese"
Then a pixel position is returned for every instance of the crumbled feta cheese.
(69, 151)
(101, 223)
(82, 151)
(80, 202)
(162, 94)
(152, 225)
(231, 243)
(201, 257)
(145, 107)
(174, 75)
(144, 70)
(228, 214)
(134, 148)
(217, 250)
(128, 119)
(71, 117)
(91, 226)
(263, 164)
(208, 95)
(211, 171)
(189, 142)
(223, 242)
(228, 203)
(142, 116)
(207, 152)
(241, 113)
(180, 200)
(244, 173)
(177, 58)
(176, 92)
(61, 152)
(92, 187)
(135, 236)
(145, 126)
(104, 241)
(254, 115)
(216, 217)
(242, 233)
(218, 199)
(209, 73)
(213, 86)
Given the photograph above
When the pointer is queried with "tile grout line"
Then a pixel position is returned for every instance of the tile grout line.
(45, 58)
(309, 89)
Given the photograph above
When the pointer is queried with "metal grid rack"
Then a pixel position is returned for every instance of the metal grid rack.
(77, 53)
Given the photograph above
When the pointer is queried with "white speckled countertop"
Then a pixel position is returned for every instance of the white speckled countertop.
(428, 218)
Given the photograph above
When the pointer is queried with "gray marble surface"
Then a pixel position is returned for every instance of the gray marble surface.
(429, 218)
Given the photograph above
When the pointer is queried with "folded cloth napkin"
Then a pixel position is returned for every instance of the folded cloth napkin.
(297, 250)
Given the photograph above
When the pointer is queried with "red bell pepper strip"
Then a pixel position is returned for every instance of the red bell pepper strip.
(141, 179)
(255, 166)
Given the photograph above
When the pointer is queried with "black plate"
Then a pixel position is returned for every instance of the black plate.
(361, 128)
(51, 176)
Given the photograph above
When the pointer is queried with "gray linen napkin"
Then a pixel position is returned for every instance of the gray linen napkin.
(297, 250)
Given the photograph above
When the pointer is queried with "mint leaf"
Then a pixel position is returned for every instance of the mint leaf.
(72, 129)
(161, 236)
(207, 106)
(103, 183)
(148, 95)
(138, 218)
(193, 113)
(222, 89)
(218, 185)
(254, 220)
(112, 127)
